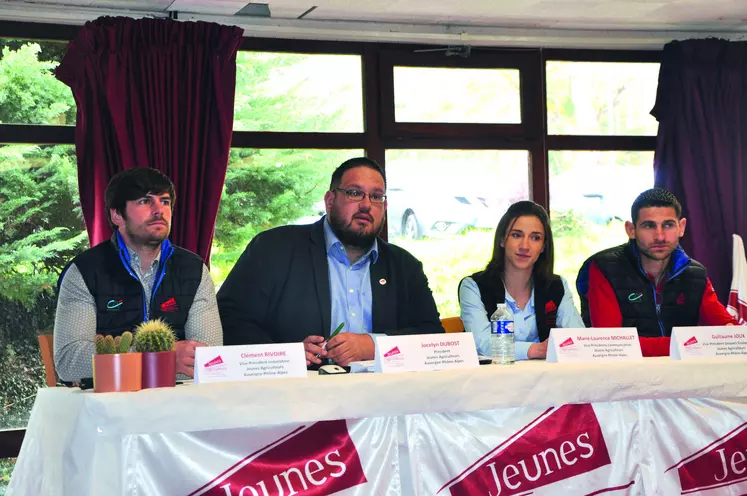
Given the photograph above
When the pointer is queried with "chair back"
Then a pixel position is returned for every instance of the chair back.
(46, 345)
(452, 324)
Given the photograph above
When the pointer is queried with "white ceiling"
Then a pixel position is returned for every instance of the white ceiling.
(603, 23)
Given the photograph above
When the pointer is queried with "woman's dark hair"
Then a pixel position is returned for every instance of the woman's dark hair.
(543, 267)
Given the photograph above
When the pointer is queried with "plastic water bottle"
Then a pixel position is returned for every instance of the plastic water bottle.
(502, 335)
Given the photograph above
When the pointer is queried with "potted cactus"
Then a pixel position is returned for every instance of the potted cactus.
(155, 340)
(115, 369)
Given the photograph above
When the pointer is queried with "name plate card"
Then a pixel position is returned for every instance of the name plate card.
(689, 343)
(599, 344)
(249, 362)
(420, 352)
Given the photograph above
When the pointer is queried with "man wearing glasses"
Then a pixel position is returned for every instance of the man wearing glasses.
(304, 283)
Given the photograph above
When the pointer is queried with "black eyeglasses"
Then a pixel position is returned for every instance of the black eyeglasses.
(358, 195)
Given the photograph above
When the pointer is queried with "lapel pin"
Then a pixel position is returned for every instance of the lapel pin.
(382, 281)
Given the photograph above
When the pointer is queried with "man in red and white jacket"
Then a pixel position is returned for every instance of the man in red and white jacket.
(649, 282)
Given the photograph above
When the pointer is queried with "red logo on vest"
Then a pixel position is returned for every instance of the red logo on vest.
(550, 307)
(312, 460)
(722, 463)
(169, 305)
(558, 445)
(681, 299)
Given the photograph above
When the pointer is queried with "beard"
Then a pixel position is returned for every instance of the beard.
(144, 238)
(656, 256)
(348, 236)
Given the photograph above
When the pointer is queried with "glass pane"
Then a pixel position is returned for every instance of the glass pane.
(437, 94)
(444, 206)
(298, 93)
(590, 198)
(268, 188)
(40, 231)
(601, 98)
(29, 92)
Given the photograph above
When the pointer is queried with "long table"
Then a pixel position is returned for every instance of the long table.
(654, 427)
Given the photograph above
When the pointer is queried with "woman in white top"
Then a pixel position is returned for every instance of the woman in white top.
(520, 273)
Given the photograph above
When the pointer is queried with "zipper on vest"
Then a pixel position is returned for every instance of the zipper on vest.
(658, 305)
(653, 291)
(124, 256)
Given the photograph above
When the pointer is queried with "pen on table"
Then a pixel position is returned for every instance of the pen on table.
(335, 333)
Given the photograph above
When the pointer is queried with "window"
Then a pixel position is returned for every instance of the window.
(298, 93)
(42, 229)
(29, 92)
(448, 220)
(455, 135)
(268, 188)
(440, 94)
(591, 193)
(601, 98)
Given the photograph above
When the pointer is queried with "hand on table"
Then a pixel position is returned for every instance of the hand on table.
(185, 356)
(349, 347)
(538, 350)
(312, 345)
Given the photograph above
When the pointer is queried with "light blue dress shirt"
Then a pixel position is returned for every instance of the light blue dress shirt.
(349, 285)
(476, 319)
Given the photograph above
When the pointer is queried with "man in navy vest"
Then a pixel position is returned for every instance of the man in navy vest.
(135, 276)
(302, 283)
(649, 282)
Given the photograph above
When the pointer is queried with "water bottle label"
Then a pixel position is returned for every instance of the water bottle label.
(501, 327)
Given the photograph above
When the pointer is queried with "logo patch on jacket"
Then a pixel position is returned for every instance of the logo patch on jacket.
(681, 299)
(635, 297)
(114, 304)
(550, 307)
(169, 305)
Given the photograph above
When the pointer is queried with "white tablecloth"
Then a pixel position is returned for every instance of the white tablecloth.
(70, 424)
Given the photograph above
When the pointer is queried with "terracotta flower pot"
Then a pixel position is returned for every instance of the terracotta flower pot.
(120, 372)
(159, 369)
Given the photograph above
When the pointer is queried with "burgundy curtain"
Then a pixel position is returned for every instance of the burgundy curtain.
(701, 151)
(154, 93)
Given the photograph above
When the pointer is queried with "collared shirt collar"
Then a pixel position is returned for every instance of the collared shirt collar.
(135, 261)
(336, 249)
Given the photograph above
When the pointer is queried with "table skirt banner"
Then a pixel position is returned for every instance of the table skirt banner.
(354, 457)
(657, 447)
(632, 447)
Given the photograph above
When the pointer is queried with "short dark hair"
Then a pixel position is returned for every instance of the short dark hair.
(352, 164)
(655, 197)
(543, 267)
(132, 184)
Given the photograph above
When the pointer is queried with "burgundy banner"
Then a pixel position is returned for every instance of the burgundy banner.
(310, 461)
(558, 446)
(722, 463)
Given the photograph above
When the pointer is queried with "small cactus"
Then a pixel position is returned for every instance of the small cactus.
(154, 336)
(109, 345)
(122, 343)
(98, 342)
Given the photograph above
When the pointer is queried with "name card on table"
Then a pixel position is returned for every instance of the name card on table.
(598, 344)
(419, 352)
(708, 342)
(249, 362)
